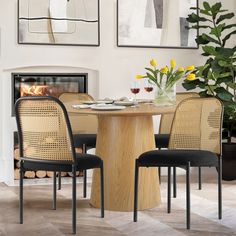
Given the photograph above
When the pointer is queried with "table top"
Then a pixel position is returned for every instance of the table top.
(141, 110)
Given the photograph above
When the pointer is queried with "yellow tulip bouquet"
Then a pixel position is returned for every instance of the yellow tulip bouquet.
(166, 77)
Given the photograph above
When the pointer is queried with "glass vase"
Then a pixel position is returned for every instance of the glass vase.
(165, 96)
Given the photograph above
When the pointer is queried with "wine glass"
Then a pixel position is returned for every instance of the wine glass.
(148, 86)
(135, 89)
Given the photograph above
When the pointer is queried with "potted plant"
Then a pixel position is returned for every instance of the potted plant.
(217, 76)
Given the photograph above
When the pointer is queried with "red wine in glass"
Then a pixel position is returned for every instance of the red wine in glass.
(135, 90)
(148, 89)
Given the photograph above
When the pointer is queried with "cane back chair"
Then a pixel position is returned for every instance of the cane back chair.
(46, 143)
(195, 140)
(84, 128)
(162, 138)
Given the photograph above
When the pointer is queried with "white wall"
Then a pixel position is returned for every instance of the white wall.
(116, 66)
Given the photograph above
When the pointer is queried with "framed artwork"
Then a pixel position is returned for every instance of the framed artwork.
(155, 23)
(59, 22)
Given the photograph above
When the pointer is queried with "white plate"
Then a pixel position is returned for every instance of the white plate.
(81, 106)
(89, 102)
(105, 101)
(124, 103)
(111, 107)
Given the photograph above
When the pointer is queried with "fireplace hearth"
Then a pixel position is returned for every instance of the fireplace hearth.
(47, 84)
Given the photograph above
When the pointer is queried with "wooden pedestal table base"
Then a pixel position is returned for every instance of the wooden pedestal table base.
(120, 140)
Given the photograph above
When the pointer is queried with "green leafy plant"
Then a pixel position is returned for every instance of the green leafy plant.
(217, 76)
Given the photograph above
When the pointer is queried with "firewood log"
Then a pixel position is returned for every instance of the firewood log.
(40, 174)
(17, 164)
(50, 174)
(78, 150)
(29, 174)
(17, 154)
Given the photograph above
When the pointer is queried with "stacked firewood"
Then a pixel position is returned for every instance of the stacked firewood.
(39, 173)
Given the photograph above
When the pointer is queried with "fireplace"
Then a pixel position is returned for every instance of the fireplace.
(43, 84)
(47, 84)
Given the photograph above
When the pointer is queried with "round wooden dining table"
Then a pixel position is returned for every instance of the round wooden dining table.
(121, 137)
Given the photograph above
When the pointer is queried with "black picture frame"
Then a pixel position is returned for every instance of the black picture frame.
(127, 36)
(79, 26)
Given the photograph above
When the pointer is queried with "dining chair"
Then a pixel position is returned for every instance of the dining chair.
(46, 143)
(162, 138)
(84, 128)
(195, 141)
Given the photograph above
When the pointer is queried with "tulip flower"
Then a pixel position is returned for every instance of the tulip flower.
(172, 63)
(181, 69)
(190, 68)
(139, 77)
(153, 63)
(191, 77)
(164, 70)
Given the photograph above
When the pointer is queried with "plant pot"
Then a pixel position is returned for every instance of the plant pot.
(165, 96)
(229, 161)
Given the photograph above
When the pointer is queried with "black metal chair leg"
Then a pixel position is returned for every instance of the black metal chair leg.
(169, 191)
(135, 217)
(21, 195)
(174, 182)
(85, 184)
(74, 199)
(220, 188)
(199, 178)
(102, 190)
(59, 180)
(188, 195)
(159, 174)
(54, 202)
(84, 150)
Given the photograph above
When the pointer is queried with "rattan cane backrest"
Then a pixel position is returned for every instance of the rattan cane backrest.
(44, 130)
(166, 119)
(197, 125)
(80, 123)
(68, 97)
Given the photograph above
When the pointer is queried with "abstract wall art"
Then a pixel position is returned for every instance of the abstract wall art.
(59, 22)
(155, 23)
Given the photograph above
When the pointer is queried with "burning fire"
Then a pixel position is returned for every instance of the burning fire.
(33, 90)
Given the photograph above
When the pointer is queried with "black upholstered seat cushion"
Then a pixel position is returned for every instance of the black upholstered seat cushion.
(87, 161)
(88, 139)
(178, 158)
(162, 140)
(84, 162)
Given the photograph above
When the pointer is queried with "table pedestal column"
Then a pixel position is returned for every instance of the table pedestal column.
(120, 140)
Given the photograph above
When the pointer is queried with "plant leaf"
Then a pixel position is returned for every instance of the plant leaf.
(207, 6)
(223, 94)
(232, 85)
(228, 36)
(194, 18)
(224, 52)
(217, 30)
(210, 50)
(210, 39)
(205, 12)
(229, 26)
(201, 40)
(224, 17)
(215, 9)
(149, 69)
